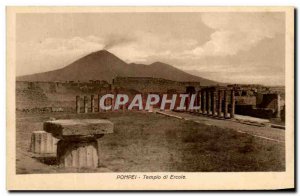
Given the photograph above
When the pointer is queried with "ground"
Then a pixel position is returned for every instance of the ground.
(149, 142)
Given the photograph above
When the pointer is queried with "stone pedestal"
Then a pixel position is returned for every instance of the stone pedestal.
(43, 143)
(78, 154)
(78, 145)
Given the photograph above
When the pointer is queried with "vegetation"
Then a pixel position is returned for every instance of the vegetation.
(146, 142)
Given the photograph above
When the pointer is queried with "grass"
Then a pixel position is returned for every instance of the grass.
(146, 142)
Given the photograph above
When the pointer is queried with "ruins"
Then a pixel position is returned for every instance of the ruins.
(252, 100)
(204, 101)
(216, 101)
(75, 141)
(77, 146)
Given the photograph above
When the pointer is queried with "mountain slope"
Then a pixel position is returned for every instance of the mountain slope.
(103, 65)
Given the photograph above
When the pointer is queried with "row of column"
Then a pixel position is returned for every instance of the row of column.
(211, 102)
(93, 104)
(216, 103)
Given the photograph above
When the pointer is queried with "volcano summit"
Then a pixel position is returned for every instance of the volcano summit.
(103, 65)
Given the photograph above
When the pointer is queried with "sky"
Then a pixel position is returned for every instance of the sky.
(230, 47)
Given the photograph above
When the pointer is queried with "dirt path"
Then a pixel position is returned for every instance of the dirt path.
(268, 133)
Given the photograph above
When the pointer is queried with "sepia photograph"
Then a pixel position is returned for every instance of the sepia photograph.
(167, 94)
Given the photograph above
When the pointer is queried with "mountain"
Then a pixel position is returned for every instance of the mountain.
(102, 65)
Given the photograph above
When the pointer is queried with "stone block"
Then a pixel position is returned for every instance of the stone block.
(77, 154)
(78, 145)
(43, 142)
(78, 127)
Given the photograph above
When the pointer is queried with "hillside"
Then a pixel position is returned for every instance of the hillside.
(102, 65)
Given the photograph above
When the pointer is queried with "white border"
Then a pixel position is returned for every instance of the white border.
(93, 2)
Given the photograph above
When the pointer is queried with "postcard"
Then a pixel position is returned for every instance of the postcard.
(150, 98)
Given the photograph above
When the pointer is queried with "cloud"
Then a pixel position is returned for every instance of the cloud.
(233, 43)
(140, 47)
(55, 46)
(148, 46)
(236, 32)
(53, 53)
(114, 40)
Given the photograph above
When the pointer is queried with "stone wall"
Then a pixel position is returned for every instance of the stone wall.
(149, 84)
(40, 96)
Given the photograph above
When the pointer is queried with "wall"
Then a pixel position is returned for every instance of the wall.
(149, 84)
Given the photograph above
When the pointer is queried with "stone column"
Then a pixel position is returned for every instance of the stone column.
(208, 102)
(113, 101)
(160, 101)
(278, 113)
(106, 101)
(204, 102)
(78, 104)
(214, 103)
(77, 154)
(43, 143)
(98, 103)
(199, 101)
(78, 146)
(195, 102)
(92, 104)
(220, 104)
(188, 100)
(232, 104)
(109, 100)
(144, 97)
(225, 104)
(85, 104)
(122, 107)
